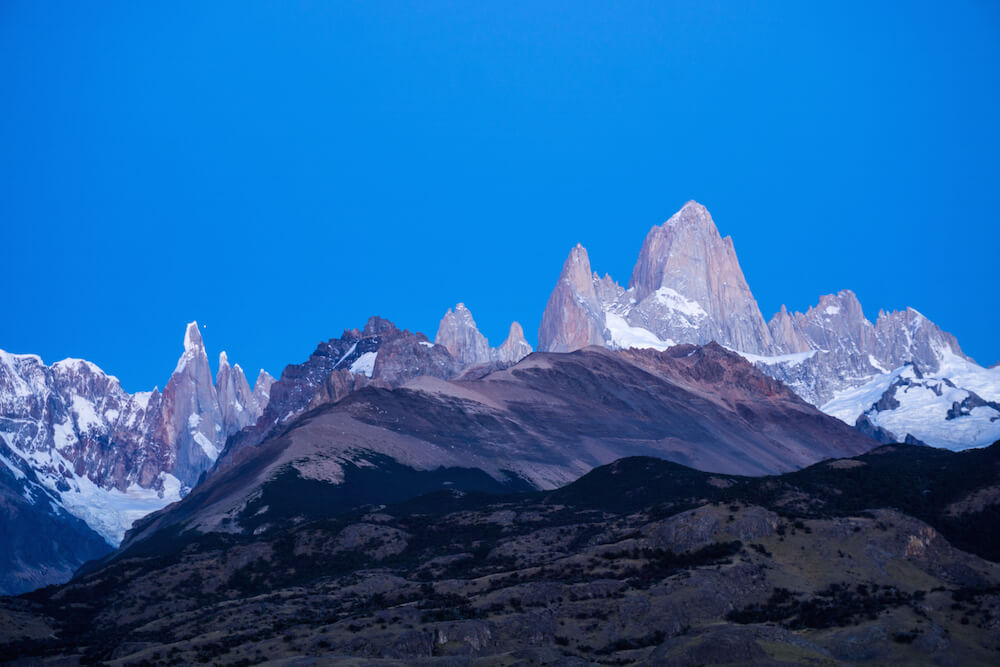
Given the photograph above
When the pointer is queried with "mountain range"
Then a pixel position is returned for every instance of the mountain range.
(687, 287)
(82, 455)
(538, 424)
(680, 365)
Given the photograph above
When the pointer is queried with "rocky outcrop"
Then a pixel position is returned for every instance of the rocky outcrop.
(459, 335)
(849, 350)
(190, 415)
(410, 356)
(574, 317)
(907, 336)
(380, 355)
(785, 335)
(237, 402)
(837, 323)
(262, 390)
(515, 347)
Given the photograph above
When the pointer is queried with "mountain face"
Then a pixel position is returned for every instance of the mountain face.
(515, 347)
(849, 350)
(687, 287)
(574, 317)
(237, 403)
(380, 355)
(459, 335)
(40, 542)
(108, 457)
(885, 558)
(538, 424)
(910, 405)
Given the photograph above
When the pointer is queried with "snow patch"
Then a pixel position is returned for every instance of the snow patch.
(624, 335)
(678, 302)
(847, 405)
(86, 416)
(16, 471)
(141, 399)
(365, 364)
(63, 434)
(346, 354)
(211, 451)
(112, 512)
(875, 364)
(964, 373)
(790, 359)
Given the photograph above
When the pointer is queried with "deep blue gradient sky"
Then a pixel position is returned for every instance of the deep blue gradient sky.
(280, 171)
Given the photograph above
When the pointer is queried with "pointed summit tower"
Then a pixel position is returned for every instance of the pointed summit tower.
(459, 335)
(515, 347)
(689, 287)
(196, 415)
(574, 317)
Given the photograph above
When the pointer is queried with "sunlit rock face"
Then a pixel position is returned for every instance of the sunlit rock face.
(459, 334)
(574, 317)
(688, 286)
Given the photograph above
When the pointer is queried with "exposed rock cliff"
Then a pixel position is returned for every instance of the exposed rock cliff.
(574, 317)
(459, 335)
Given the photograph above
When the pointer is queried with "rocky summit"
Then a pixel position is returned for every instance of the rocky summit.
(687, 287)
(459, 335)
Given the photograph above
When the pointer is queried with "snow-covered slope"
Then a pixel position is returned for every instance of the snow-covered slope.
(109, 457)
(42, 542)
(956, 408)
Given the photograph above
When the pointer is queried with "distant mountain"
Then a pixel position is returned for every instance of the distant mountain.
(687, 287)
(538, 424)
(105, 456)
(459, 335)
(379, 355)
(885, 558)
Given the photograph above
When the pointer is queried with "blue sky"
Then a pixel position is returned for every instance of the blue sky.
(281, 171)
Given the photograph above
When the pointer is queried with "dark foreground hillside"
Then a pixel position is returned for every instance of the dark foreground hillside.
(639, 562)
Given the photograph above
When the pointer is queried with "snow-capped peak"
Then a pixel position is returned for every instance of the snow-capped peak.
(192, 338)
